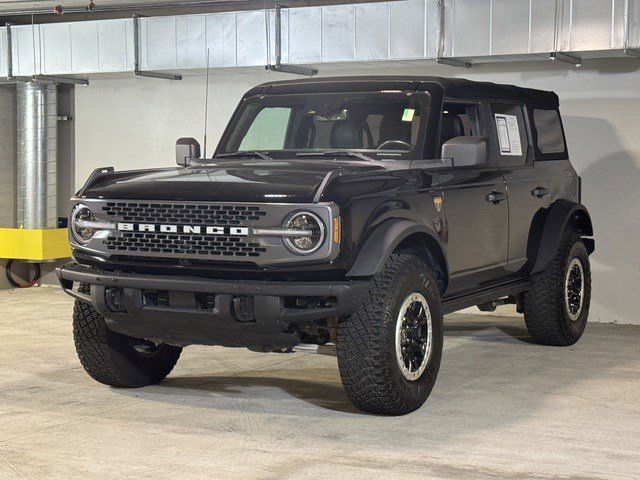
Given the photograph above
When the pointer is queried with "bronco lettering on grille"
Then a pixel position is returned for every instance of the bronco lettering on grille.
(188, 229)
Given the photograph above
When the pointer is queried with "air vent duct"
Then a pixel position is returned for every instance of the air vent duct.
(37, 144)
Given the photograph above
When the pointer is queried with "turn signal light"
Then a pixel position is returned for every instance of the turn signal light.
(336, 230)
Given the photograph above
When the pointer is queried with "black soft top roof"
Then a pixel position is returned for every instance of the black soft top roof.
(450, 87)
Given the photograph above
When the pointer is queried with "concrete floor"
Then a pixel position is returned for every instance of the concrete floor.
(503, 408)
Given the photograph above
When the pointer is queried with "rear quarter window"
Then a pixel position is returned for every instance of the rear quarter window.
(550, 141)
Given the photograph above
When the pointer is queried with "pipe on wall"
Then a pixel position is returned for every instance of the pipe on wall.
(37, 144)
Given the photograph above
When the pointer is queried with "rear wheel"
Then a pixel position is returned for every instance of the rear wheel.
(557, 306)
(115, 359)
(389, 351)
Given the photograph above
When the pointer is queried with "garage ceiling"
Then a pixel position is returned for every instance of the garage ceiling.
(462, 33)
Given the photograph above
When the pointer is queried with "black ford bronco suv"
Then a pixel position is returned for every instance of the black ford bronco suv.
(352, 211)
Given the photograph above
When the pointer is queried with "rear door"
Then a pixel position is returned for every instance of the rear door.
(551, 156)
(528, 187)
(477, 226)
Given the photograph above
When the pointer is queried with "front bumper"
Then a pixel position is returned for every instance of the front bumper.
(193, 310)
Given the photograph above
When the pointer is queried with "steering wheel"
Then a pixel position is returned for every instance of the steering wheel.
(385, 145)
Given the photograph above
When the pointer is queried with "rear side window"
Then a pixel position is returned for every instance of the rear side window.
(510, 134)
(550, 137)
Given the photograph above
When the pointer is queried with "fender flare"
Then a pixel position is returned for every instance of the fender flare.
(382, 242)
(559, 215)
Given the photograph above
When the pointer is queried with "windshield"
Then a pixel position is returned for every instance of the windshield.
(387, 124)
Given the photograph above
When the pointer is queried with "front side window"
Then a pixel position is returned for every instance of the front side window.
(378, 124)
(461, 120)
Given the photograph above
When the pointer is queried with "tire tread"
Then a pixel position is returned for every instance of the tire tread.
(366, 374)
(106, 357)
(544, 310)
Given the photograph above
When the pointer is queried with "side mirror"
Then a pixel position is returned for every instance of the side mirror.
(466, 151)
(186, 150)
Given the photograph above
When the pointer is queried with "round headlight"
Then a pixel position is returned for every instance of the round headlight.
(312, 233)
(80, 231)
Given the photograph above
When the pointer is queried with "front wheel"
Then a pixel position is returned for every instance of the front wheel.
(389, 351)
(115, 359)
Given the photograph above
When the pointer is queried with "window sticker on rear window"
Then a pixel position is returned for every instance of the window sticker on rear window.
(508, 134)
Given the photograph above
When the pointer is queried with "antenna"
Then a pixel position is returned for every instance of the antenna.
(206, 106)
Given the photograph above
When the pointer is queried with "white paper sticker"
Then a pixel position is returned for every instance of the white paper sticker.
(407, 115)
(508, 134)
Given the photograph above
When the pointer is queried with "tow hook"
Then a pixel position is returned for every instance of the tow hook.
(244, 309)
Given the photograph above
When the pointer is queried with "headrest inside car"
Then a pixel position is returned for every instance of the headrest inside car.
(344, 134)
(450, 127)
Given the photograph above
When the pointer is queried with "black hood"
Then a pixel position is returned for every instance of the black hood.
(290, 181)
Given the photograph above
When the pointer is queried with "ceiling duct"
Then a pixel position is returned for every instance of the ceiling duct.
(456, 32)
(364, 32)
(520, 30)
(166, 7)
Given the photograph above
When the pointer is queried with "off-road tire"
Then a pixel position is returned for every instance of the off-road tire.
(110, 357)
(366, 340)
(545, 312)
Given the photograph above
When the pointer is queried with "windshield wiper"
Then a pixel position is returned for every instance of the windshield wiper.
(336, 153)
(247, 153)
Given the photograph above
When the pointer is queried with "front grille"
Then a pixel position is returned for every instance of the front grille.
(183, 214)
(200, 246)
(228, 232)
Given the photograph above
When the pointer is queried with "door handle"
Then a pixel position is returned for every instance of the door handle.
(540, 192)
(496, 197)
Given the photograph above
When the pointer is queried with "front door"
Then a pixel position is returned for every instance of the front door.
(477, 219)
(475, 203)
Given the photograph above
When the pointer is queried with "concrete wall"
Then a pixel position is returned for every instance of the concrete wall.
(7, 162)
(134, 122)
